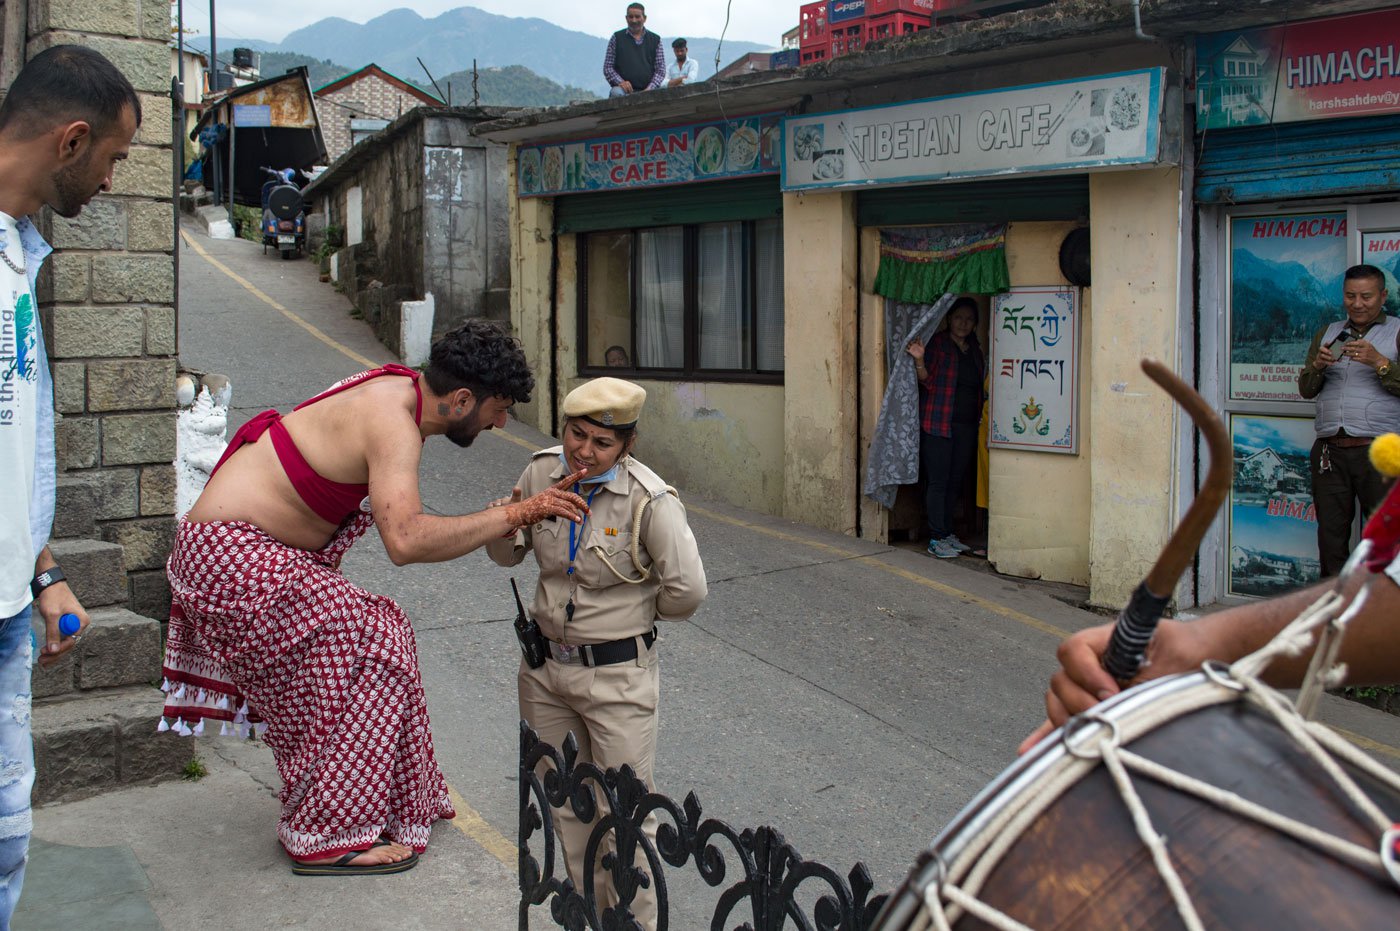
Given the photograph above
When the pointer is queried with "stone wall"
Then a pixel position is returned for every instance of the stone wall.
(107, 296)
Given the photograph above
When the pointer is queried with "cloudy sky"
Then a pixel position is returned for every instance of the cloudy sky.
(762, 21)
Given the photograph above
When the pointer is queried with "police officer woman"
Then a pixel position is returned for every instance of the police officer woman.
(603, 586)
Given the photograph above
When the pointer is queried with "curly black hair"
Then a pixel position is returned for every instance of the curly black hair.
(483, 357)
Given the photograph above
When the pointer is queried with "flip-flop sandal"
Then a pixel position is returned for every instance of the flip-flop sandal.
(343, 866)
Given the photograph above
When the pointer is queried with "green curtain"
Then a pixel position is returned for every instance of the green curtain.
(918, 265)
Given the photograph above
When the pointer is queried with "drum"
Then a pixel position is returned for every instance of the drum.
(1265, 820)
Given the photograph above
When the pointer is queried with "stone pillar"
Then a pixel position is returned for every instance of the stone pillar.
(820, 418)
(107, 296)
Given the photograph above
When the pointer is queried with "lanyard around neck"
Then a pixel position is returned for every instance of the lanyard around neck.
(576, 530)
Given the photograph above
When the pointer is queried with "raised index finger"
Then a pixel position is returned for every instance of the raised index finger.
(567, 482)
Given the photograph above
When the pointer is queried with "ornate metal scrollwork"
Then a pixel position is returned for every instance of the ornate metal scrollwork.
(769, 875)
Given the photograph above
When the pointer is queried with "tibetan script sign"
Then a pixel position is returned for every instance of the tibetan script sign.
(1311, 70)
(1104, 121)
(1034, 370)
(737, 148)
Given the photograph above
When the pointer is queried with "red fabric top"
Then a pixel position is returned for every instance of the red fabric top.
(332, 501)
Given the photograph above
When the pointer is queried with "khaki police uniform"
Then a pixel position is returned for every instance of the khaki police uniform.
(611, 709)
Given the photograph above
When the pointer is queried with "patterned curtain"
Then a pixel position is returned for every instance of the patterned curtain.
(920, 264)
(894, 450)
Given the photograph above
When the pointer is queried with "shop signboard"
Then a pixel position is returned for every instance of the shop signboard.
(1034, 370)
(1273, 527)
(1381, 248)
(1285, 281)
(737, 148)
(1098, 122)
(1310, 70)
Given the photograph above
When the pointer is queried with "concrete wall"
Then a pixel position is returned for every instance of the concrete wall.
(820, 419)
(107, 298)
(434, 220)
(1038, 503)
(1135, 242)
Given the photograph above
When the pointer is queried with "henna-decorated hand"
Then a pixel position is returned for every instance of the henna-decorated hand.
(554, 501)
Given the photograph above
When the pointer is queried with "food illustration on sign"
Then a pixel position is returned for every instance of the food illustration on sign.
(553, 171)
(830, 166)
(768, 145)
(530, 171)
(807, 142)
(709, 150)
(743, 148)
(1125, 110)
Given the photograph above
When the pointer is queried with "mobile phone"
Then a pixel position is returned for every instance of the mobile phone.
(1345, 336)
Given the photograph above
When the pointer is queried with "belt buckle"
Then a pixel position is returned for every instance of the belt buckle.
(566, 653)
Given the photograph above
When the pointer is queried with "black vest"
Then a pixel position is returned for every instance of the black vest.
(636, 63)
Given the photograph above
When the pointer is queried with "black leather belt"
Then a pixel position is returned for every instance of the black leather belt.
(599, 654)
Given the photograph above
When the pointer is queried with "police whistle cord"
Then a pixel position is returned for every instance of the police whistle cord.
(1138, 620)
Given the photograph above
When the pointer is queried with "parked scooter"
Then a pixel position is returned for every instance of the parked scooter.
(283, 214)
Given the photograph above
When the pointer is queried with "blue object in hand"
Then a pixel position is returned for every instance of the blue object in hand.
(69, 624)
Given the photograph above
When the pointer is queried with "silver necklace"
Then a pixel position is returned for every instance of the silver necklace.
(17, 269)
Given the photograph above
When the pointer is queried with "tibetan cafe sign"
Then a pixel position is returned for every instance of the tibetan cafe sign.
(738, 148)
(1312, 70)
(1105, 121)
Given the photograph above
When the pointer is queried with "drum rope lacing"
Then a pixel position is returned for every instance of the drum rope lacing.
(1329, 615)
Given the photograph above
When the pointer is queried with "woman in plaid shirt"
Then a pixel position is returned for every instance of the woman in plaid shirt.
(951, 370)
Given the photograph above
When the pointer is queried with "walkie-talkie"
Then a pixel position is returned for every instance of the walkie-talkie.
(528, 633)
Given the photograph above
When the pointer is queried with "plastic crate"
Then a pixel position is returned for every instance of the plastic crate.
(892, 25)
(787, 58)
(847, 38)
(813, 53)
(923, 7)
(812, 25)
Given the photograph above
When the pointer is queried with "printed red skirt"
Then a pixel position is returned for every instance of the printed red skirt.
(269, 637)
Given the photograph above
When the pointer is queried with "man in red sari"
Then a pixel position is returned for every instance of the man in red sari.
(265, 631)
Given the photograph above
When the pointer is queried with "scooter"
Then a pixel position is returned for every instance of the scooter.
(284, 214)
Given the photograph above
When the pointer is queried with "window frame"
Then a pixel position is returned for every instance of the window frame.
(690, 369)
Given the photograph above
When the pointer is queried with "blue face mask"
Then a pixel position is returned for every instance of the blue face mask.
(603, 479)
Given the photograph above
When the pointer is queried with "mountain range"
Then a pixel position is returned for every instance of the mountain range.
(449, 42)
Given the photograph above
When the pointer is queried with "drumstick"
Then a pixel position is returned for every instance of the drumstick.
(1138, 620)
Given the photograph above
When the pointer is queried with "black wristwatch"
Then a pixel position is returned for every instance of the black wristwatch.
(45, 579)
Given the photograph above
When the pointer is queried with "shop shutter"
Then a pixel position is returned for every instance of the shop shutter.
(1326, 158)
(1052, 197)
(711, 202)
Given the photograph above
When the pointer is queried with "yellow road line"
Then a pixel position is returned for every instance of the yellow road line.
(867, 559)
(470, 823)
(253, 289)
(1366, 743)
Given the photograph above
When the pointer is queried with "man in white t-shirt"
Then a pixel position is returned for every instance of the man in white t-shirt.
(66, 121)
(686, 70)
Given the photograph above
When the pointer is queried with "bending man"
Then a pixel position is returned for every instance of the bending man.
(262, 616)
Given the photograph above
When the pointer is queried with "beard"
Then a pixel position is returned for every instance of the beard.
(466, 430)
(71, 191)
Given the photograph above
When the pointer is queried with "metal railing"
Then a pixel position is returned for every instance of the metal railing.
(767, 880)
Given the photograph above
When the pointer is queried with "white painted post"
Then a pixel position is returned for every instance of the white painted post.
(416, 330)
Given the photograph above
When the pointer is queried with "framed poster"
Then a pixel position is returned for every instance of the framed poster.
(1272, 523)
(1285, 281)
(1034, 370)
(1381, 248)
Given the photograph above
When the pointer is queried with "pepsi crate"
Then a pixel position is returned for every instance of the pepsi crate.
(845, 11)
(894, 25)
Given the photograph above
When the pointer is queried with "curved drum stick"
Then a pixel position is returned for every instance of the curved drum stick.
(1138, 620)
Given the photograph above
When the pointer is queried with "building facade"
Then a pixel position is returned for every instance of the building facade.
(760, 261)
(362, 103)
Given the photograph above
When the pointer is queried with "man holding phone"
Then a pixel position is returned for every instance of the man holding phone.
(1351, 370)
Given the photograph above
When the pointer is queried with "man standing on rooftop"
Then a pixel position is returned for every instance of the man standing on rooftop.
(634, 60)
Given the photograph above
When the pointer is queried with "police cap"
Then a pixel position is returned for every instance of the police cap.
(606, 402)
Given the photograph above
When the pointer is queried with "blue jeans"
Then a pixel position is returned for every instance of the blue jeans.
(16, 759)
